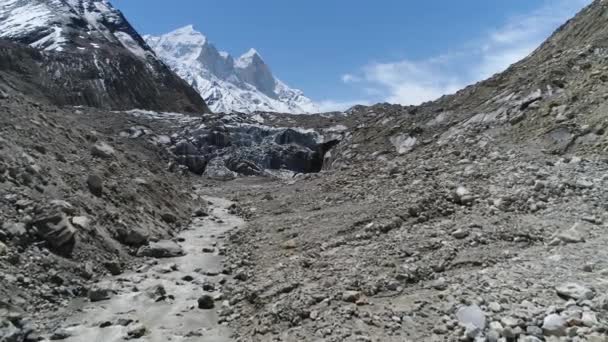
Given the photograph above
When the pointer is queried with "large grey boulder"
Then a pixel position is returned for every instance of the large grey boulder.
(133, 236)
(161, 249)
(102, 150)
(9, 332)
(55, 228)
(217, 170)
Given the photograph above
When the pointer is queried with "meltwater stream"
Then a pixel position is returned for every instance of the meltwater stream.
(176, 317)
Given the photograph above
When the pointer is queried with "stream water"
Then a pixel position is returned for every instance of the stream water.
(162, 298)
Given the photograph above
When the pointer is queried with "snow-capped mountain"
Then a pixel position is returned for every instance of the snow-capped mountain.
(93, 56)
(228, 85)
(59, 25)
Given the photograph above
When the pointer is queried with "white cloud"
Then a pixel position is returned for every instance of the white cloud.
(350, 78)
(415, 81)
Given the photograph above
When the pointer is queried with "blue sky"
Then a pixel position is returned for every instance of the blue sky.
(344, 52)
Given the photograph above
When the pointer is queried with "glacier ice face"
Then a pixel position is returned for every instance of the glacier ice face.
(245, 84)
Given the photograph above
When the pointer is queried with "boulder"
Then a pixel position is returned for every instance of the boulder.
(217, 170)
(136, 332)
(95, 184)
(9, 332)
(575, 234)
(195, 163)
(55, 228)
(82, 222)
(102, 150)
(64, 207)
(206, 302)
(554, 325)
(98, 293)
(113, 267)
(574, 291)
(169, 218)
(185, 148)
(471, 315)
(135, 237)
(14, 229)
(161, 249)
(351, 296)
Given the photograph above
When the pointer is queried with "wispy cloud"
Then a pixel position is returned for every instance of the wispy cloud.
(415, 81)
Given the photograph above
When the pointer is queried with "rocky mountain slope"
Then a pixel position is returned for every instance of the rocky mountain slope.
(228, 85)
(84, 52)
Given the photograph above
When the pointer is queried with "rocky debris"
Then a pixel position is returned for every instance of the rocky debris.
(57, 238)
(161, 249)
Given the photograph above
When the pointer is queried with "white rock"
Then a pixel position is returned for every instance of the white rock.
(102, 150)
(471, 315)
(460, 234)
(495, 307)
(81, 222)
(572, 235)
(554, 325)
(589, 319)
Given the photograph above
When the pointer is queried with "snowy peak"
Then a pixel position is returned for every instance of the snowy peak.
(183, 44)
(249, 58)
(60, 25)
(227, 85)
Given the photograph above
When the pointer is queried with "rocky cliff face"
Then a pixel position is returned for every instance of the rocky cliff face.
(227, 85)
(84, 52)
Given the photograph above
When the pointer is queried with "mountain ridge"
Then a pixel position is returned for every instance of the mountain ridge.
(245, 84)
(85, 52)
